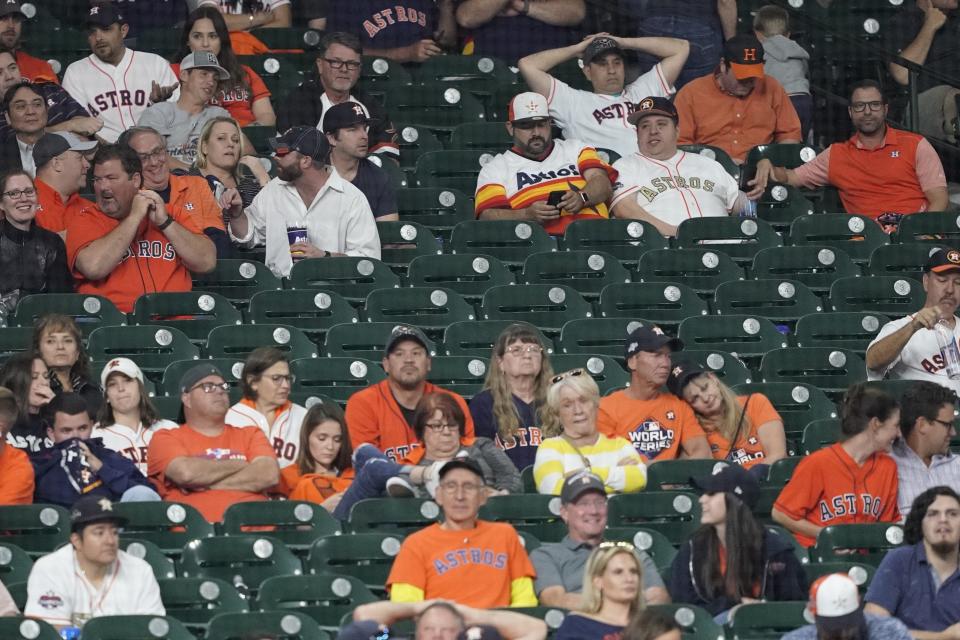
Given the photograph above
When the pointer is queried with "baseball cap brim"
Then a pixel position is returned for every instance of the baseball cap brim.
(746, 71)
(853, 620)
(222, 74)
(945, 268)
(637, 116)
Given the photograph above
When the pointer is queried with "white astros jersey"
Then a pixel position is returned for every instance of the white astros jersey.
(132, 444)
(687, 185)
(118, 94)
(919, 359)
(601, 120)
(284, 435)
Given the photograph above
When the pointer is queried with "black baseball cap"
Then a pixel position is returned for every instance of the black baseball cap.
(730, 478)
(306, 140)
(196, 374)
(943, 261)
(403, 332)
(104, 15)
(744, 54)
(681, 374)
(93, 508)
(600, 46)
(580, 483)
(10, 7)
(345, 114)
(650, 338)
(460, 463)
(653, 106)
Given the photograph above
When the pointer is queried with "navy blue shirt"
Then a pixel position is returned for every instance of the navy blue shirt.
(375, 185)
(514, 37)
(522, 450)
(577, 627)
(903, 585)
(381, 24)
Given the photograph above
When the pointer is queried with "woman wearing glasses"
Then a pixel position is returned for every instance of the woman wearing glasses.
(324, 466)
(266, 404)
(571, 419)
(508, 410)
(612, 594)
(32, 259)
(732, 559)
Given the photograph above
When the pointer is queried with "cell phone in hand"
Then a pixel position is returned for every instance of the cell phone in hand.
(555, 197)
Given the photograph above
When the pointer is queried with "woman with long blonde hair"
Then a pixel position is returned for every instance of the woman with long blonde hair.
(509, 409)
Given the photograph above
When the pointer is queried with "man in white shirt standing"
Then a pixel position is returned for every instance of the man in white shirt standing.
(308, 210)
(91, 576)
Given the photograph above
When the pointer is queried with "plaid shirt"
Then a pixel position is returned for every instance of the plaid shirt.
(915, 477)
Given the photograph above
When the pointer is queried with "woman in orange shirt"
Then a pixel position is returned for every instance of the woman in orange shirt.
(323, 470)
(744, 430)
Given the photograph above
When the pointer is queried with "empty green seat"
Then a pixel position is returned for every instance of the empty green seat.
(237, 280)
(238, 341)
(431, 308)
(893, 296)
(491, 137)
(403, 241)
(20, 628)
(336, 378)
(363, 340)
(89, 312)
(745, 336)
(781, 154)
(781, 204)
(548, 307)
(665, 303)
(15, 564)
(832, 370)
(296, 524)
(476, 338)
(377, 71)
(902, 260)
(450, 169)
(588, 272)
(153, 555)
(816, 266)
(415, 140)
(606, 372)
(739, 238)
(934, 227)
(38, 529)
(366, 556)
(623, 239)
(351, 277)
(714, 153)
(797, 403)
(860, 572)
(195, 601)
(289, 625)
(508, 240)
(398, 516)
(777, 300)
(703, 270)
(169, 525)
(819, 434)
(310, 311)
(674, 475)
(244, 561)
(196, 313)
(598, 336)
(652, 542)
(864, 542)
(852, 330)
(470, 275)
(463, 375)
(675, 514)
(536, 514)
(15, 340)
(324, 598)
(857, 235)
(143, 627)
(766, 620)
(438, 208)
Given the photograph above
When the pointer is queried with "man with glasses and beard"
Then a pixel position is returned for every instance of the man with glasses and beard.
(550, 182)
(308, 210)
(920, 583)
(880, 170)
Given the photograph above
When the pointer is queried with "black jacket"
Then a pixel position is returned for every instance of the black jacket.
(9, 154)
(33, 261)
(302, 107)
(783, 576)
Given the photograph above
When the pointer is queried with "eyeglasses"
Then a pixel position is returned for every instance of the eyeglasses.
(567, 374)
(157, 154)
(439, 428)
(16, 194)
(948, 425)
(210, 387)
(517, 349)
(874, 105)
(351, 65)
(598, 503)
(279, 378)
(451, 488)
(616, 544)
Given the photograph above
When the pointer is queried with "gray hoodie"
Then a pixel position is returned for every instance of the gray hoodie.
(787, 62)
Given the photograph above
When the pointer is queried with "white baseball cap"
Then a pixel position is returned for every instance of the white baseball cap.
(528, 106)
(126, 366)
(835, 602)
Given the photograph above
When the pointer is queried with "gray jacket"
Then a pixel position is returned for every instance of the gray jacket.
(499, 471)
(788, 63)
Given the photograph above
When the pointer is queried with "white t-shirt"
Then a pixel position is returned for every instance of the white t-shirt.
(600, 120)
(687, 185)
(59, 593)
(131, 444)
(284, 435)
(920, 358)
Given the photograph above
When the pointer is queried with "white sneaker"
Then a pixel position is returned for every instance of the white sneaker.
(431, 478)
(398, 487)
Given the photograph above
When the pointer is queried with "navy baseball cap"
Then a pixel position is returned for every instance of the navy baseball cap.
(654, 106)
(943, 261)
(104, 15)
(345, 114)
(307, 140)
(94, 508)
(650, 338)
(730, 478)
(681, 374)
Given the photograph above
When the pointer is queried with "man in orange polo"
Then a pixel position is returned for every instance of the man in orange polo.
(880, 170)
(62, 166)
(737, 106)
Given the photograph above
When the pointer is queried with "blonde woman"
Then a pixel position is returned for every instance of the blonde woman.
(612, 594)
(508, 410)
(571, 419)
(223, 160)
(744, 430)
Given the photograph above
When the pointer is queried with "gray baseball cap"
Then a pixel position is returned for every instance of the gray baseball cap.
(50, 145)
(203, 60)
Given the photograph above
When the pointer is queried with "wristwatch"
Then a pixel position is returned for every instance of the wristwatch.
(166, 223)
(584, 197)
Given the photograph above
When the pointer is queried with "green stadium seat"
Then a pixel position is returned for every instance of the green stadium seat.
(152, 347)
(461, 68)
(674, 475)
(778, 300)
(313, 312)
(782, 470)
(491, 137)
(397, 176)
(294, 38)
(746, 336)
(351, 277)
(548, 307)
(237, 341)
(163, 567)
(463, 375)
(588, 272)
(169, 408)
(237, 280)
(623, 239)
(281, 72)
(866, 543)
(414, 141)
(597, 336)
(435, 207)
(739, 238)
(694, 622)
(15, 340)
(430, 308)
(365, 556)
(817, 267)
(905, 260)
(722, 364)
(296, 524)
(857, 235)
(20, 628)
(832, 370)
(324, 598)
(18, 592)
(860, 572)
(15, 564)
(231, 368)
(377, 71)
(289, 625)
(168, 525)
(790, 155)
(38, 529)
(403, 241)
(797, 404)
(606, 372)
(852, 330)
(260, 135)
(714, 153)
(196, 313)
(703, 270)
(532, 513)
(765, 620)
(675, 514)
(450, 169)
(893, 296)
(244, 561)
(397, 516)
(819, 434)
(477, 338)
(144, 627)
(650, 541)
(363, 340)
(665, 303)
(470, 275)
(439, 106)
(508, 240)
(89, 312)
(781, 204)
(195, 601)
(933, 227)
(336, 378)
(799, 551)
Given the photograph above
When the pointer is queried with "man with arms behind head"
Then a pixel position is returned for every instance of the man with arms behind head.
(207, 463)
(129, 244)
(441, 620)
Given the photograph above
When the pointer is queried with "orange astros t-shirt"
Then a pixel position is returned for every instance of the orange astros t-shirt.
(16, 476)
(656, 428)
(748, 451)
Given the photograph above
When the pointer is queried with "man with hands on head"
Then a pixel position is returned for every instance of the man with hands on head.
(438, 619)
(907, 348)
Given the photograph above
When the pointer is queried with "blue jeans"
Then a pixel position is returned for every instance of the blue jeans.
(373, 469)
(706, 44)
